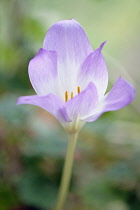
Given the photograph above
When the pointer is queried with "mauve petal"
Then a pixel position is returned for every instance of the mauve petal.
(43, 72)
(70, 42)
(121, 94)
(94, 70)
(50, 103)
(83, 104)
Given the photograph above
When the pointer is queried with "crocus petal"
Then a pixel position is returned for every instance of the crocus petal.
(43, 72)
(83, 104)
(70, 42)
(94, 70)
(121, 94)
(50, 103)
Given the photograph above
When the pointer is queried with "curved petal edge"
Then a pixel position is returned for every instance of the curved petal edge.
(42, 71)
(94, 70)
(50, 103)
(121, 94)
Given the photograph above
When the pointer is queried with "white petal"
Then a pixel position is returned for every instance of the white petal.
(70, 42)
(94, 70)
(43, 72)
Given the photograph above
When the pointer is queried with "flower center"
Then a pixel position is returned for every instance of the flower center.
(71, 95)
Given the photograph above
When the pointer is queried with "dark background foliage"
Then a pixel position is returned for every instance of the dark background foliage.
(106, 172)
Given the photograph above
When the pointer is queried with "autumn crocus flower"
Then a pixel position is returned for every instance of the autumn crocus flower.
(70, 79)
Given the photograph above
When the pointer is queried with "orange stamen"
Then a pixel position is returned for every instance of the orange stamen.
(78, 89)
(66, 96)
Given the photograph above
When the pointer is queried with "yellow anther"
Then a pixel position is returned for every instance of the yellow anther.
(66, 96)
(71, 94)
(78, 89)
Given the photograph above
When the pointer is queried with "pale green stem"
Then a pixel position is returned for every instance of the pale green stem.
(67, 171)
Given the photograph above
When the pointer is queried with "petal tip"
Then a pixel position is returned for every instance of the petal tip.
(40, 51)
(64, 22)
(102, 45)
(91, 84)
(18, 102)
(121, 79)
(72, 19)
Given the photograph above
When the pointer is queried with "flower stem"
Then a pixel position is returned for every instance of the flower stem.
(67, 170)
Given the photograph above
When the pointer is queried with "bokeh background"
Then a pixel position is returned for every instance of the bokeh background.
(106, 173)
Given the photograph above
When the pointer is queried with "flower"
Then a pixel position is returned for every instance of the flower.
(71, 79)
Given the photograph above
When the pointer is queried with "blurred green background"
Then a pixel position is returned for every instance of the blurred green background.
(106, 174)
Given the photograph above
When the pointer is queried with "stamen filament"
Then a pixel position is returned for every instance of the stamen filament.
(66, 96)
